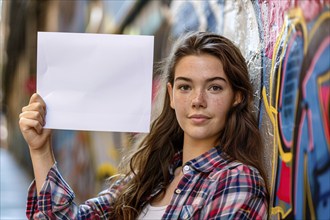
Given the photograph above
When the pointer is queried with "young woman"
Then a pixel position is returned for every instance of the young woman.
(201, 160)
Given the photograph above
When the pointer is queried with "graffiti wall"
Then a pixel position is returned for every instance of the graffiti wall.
(297, 104)
(287, 47)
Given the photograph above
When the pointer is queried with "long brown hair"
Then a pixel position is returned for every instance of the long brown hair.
(240, 138)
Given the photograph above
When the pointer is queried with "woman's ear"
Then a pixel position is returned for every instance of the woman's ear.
(170, 93)
(238, 98)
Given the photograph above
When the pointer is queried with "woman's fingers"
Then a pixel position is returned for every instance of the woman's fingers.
(37, 98)
(33, 115)
(26, 124)
(35, 106)
(34, 110)
(32, 121)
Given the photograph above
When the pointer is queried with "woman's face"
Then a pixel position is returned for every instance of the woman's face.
(201, 96)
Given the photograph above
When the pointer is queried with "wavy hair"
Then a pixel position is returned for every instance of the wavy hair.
(240, 138)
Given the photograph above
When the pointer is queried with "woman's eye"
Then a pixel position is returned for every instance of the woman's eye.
(215, 88)
(184, 87)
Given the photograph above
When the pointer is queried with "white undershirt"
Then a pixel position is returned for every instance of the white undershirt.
(152, 212)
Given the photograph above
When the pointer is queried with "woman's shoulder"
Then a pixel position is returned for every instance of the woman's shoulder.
(237, 168)
(230, 165)
(239, 174)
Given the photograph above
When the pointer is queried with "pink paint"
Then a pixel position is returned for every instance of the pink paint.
(273, 21)
(310, 131)
(284, 192)
(311, 8)
(325, 99)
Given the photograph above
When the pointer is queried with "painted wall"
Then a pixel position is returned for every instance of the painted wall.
(287, 47)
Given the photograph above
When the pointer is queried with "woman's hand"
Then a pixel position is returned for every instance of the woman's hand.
(31, 122)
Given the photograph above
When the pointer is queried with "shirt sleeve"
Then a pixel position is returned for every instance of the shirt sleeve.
(240, 194)
(55, 200)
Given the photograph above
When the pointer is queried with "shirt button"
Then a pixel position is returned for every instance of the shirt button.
(178, 191)
(185, 216)
(186, 168)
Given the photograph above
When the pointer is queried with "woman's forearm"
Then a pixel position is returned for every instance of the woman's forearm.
(42, 162)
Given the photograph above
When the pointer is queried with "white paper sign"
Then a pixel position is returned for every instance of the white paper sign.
(97, 82)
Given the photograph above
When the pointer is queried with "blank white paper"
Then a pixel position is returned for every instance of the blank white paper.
(96, 82)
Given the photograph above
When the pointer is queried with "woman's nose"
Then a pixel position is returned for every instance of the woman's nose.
(198, 100)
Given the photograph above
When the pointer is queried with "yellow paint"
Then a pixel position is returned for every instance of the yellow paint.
(278, 209)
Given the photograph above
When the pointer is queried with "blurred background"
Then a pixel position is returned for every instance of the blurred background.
(287, 48)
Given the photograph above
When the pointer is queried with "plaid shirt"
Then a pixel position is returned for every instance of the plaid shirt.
(212, 188)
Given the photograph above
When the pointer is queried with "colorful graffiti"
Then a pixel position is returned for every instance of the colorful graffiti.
(297, 101)
(289, 63)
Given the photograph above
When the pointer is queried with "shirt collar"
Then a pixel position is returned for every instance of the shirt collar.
(203, 163)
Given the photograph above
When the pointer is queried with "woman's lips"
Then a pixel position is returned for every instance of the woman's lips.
(198, 118)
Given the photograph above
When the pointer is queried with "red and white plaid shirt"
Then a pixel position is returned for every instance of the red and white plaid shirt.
(212, 188)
